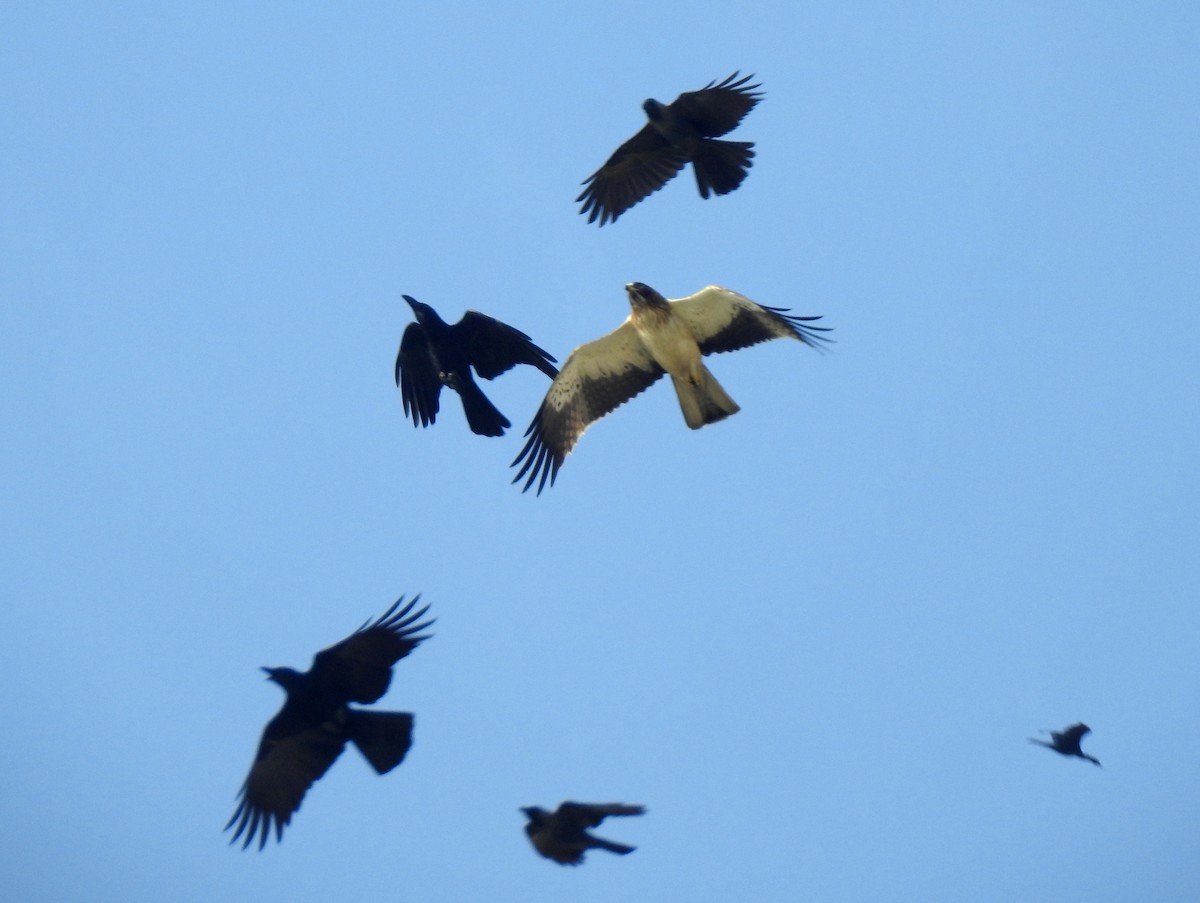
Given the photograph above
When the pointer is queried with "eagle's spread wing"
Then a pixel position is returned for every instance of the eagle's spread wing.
(292, 756)
(417, 377)
(359, 668)
(493, 347)
(596, 378)
(723, 320)
(589, 815)
(717, 108)
(637, 169)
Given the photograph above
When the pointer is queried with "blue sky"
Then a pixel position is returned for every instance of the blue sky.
(812, 639)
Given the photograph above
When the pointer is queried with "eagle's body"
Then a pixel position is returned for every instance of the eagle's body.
(671, 344)
(658, 337)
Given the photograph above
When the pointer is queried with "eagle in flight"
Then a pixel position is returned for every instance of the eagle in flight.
(677, 133)
(658, 337)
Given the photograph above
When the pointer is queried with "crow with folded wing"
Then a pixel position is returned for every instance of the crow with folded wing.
(308, 734)
(658, 337)
(1067, 741)
(677, 133)
(434, 354)
(562, 835)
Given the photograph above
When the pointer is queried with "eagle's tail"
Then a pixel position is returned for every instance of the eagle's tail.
(721, 166)
(382, 737)
(482, 416)
(704, 401)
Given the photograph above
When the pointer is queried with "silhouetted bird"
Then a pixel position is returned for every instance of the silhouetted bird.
(1067, 741)
(562, 835)
(658, 337)
(434, 354)
(308, 734)
(677, 133)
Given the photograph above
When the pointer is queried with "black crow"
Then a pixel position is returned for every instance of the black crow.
(434, 354)
(308, 734)
(562, 835)
(683, 131)
(658, 337)
(1067, 741)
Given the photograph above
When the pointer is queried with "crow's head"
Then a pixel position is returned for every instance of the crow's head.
(535, 814)
(285, 677)
(654, 109)
(425, 314)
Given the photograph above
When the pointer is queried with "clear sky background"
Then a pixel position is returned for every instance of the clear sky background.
(812, 639)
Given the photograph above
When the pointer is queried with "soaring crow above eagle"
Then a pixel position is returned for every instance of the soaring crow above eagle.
(308, 734)
(434, 354)
(677, 133)
(1067, 741)
(658, 337)
(562, 835)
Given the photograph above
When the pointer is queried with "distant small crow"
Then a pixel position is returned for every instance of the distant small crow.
(562, 836)
(308, 734)
(677, 133)
(658, 337)
(1067, 741)
(434, 354)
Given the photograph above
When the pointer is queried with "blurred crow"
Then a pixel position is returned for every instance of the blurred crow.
(676, 133)
(307, 735)
(434, 354)
(659, 336)
(562, 836)
(1067, 741)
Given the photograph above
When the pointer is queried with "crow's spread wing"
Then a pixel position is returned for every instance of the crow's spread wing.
(589, 815)
(637, 169)
(417, 376)
(292, 756)
(1076, 732)
(359, 668)
(717, 108)
(493, 347)
(723, 320)
(597, 378)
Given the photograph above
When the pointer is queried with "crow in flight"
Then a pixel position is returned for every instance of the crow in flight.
(658, 337)
(562, 835)
(1067, 741)
(434, 354)
(308, 734)
(686, 130)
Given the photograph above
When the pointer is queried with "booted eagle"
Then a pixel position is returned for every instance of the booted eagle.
(1067, 741)
(434, 354)
(658, 337)
(309, 732)
(562, 835)
(677, 133)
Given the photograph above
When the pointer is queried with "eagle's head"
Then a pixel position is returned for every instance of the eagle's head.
(643, 297)
(653, 109)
